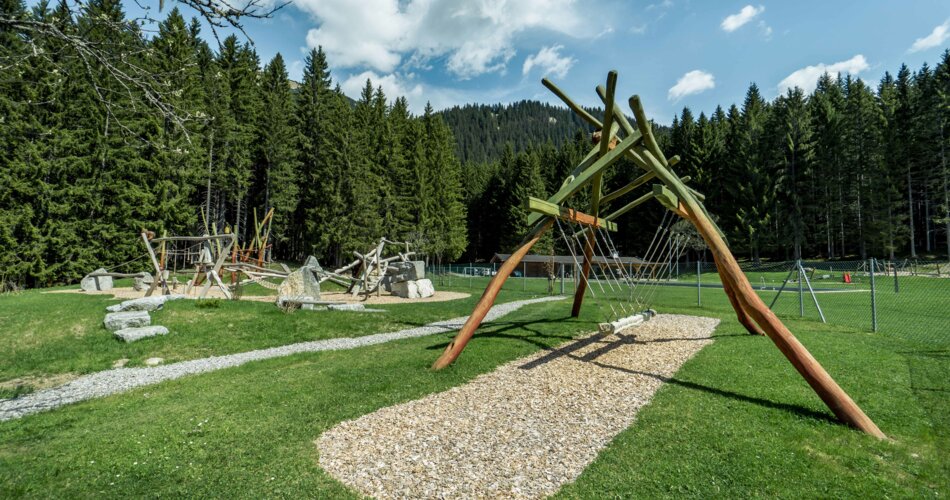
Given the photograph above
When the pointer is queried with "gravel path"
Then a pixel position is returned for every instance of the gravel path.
(521, 431)
(118, 380)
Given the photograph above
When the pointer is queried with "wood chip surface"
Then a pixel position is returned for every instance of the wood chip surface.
(521, 431)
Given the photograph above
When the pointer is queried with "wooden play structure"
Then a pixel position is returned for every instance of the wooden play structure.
(614, 138)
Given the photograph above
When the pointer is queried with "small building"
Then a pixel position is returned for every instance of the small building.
(536, 266)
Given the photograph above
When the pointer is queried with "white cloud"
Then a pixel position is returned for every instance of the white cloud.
(550, 61)
(936, 38)
(736, 21)
(694, 82)
(807, 77)
(638, 29)
(393, 86)
(473, 37)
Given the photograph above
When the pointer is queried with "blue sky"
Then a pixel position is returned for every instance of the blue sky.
(674, 53)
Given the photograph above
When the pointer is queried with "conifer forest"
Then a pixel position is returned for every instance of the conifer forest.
(215, 137)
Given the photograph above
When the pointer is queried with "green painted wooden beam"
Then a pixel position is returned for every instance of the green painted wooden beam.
(587, 117)
(666, 197)
(587, 175)
(630, 206)
(607, 135)
(545, 207)
(639, 181)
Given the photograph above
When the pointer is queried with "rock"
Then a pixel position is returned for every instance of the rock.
(126, 319)
(312, 263)
(145, 303)
(300, 283)
(143, 282)
(425, 288)
(346, 307)
(299, 299)
(92, 284)
(154, 361)
(119, 363)
(414, 289)
(138, 333)
(406, 271)
(406, 289)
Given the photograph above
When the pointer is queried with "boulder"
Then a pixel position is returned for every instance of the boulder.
(300, 283)
(92, 284)
(346, 307)
(154, 361)
(298, 299)
(141, 332)
(406, 289)
(126, 319)
(143, 282)
(406, 271)
(414, 289)
(425, 288)
(312, 263)
(144, 304)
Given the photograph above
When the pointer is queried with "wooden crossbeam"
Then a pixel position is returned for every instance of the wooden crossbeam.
(584, 177)
(544, 207)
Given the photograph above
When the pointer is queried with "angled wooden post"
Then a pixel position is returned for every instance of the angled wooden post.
(455, 347)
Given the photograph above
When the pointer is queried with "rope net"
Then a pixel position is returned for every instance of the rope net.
(626, 290)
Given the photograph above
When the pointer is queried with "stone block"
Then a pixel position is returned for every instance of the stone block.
(126, 319)
(91, 284)
(300, 283)
(141, 332)
(152, 303)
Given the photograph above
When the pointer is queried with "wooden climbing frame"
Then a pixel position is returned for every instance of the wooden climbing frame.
(640, 145)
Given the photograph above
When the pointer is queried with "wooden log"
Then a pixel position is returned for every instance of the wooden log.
(455, 347)
(807, 366)
(541, 206)
(582, 279)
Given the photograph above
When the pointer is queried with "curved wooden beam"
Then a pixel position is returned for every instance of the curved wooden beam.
(461, 339)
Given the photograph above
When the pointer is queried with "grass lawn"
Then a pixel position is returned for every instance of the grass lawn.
(736, 420)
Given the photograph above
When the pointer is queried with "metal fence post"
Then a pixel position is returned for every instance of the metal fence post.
(562, 279)
(873, 298)
(897, 287)
(699, 286)
(801, 291)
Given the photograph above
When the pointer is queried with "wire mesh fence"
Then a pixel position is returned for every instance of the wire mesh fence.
(909, 299)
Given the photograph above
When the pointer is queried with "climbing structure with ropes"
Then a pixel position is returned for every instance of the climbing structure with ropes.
(629, 292)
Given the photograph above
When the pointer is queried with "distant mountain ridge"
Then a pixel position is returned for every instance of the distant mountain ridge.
(482, 130)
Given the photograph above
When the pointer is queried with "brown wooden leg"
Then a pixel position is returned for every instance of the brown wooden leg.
(455, 347)
(582, 279)
(820, 381)
(741, 313)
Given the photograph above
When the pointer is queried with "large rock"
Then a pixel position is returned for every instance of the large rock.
(425, 288)
(143, 282)
(414, 289)
(141, 332)
(91, 284)
(312, 263)
(145, 303)
(300, 283)
(406, 271)
(126, 319)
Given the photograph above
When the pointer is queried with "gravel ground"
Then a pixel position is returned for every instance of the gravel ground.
(521, 431)
(214, 293)
(118, 380)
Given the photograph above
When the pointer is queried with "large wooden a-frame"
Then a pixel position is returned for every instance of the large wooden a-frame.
(616, 137)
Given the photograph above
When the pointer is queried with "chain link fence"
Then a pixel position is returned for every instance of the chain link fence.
(909, 299)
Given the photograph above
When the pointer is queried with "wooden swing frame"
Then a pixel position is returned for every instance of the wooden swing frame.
(640, 145)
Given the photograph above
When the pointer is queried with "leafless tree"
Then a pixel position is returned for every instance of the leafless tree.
(110, 65)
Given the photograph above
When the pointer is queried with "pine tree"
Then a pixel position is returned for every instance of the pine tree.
(277, 142)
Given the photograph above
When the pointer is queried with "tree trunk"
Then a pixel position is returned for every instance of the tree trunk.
(910, 221)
